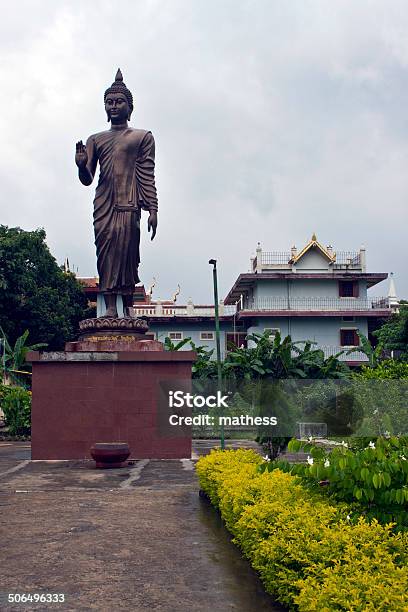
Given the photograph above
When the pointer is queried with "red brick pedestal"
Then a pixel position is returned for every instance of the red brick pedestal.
(80, 398)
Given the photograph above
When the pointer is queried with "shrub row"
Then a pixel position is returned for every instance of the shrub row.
(15, 402)
(307, 553)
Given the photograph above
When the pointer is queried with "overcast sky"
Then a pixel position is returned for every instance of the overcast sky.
(273, 119)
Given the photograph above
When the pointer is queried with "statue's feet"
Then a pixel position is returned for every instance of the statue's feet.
(128, 312)
(111, 313)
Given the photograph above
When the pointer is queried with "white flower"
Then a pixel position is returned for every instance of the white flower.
(348, 517)
(266, 458)
(343, 443)
(327, 463)
(371, 445)
(310, 439)
(375, 411)
(403, 457)
(310, 460)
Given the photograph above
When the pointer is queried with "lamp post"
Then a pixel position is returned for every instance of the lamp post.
(213, 262)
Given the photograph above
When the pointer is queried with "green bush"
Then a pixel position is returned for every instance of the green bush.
(387, 369)
(4, 391)
(382, 403)
(16, 405)
(308, 554)
(374, 478)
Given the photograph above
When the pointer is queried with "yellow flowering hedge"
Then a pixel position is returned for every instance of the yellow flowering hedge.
(307, 553)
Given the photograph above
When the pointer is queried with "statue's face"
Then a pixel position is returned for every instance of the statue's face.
(117, 107)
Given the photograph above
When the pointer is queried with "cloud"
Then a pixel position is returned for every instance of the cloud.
(272, 120)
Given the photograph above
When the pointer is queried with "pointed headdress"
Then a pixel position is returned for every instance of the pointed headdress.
(118, 86)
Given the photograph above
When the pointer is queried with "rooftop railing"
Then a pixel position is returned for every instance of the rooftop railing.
(265, 304)
(274, 259)
(190, 310)
(348, 258)
(316, 303)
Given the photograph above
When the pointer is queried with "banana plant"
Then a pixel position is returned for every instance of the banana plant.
(282, 358)
(169, 345)
(374, 354)
(204, 366)
(13, 358)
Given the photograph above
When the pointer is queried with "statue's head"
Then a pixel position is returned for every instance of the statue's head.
(118, 100)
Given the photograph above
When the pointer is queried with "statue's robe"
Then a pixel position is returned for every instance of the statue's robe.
(126, 186)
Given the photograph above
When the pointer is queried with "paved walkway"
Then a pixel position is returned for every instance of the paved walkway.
(137, 539)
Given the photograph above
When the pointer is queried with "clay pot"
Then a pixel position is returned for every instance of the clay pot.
(110, 454)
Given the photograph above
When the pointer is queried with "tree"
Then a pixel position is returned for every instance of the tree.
(393, 335)
(35, 294)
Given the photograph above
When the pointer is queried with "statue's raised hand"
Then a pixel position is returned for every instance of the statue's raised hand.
(81, 155)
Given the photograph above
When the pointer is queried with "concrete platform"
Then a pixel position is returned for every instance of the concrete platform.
(139, 538)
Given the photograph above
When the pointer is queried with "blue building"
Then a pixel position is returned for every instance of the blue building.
(312, 294)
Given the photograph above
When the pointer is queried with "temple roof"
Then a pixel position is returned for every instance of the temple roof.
(314, 244)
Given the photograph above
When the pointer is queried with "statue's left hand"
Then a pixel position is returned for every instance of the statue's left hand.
(152, 223)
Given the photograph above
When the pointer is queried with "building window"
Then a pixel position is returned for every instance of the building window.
(348, 289)
(236, 340)
(272, 332)
(348, 319)
(348, 337)
(175, 335)
(206, 335)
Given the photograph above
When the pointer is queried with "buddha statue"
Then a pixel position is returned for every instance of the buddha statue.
(125, 188)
